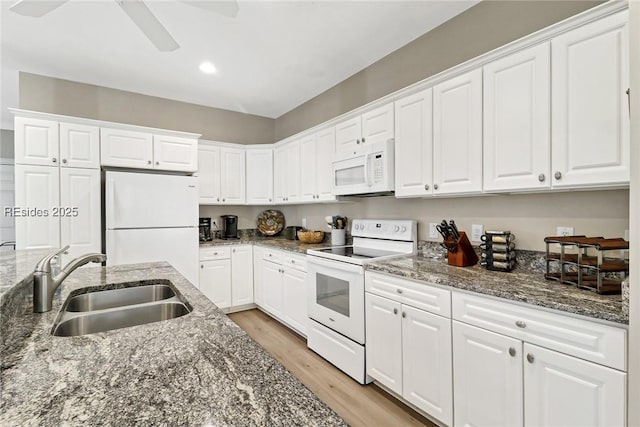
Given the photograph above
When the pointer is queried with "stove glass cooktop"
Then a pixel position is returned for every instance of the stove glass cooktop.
(356, 253)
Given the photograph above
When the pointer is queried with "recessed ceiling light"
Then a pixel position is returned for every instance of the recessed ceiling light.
(208, 68)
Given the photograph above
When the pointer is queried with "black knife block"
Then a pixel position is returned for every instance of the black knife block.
(465, 255)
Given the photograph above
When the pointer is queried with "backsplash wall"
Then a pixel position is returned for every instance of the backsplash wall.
(530, 217)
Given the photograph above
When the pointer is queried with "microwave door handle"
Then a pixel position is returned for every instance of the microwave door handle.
(366, 170)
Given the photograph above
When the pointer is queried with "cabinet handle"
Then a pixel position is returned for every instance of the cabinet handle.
(404, 314)
(64, 161)
(628, 92)
(520, 324)
(530, 358)
(395, 311)
(54, 160)
(558, 175)
(512, 352)
(541, 177)
(426, 186)
(399, 291)
(435, 186)
(148, 162)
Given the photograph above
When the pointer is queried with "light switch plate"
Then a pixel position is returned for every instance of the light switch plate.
(564, 231)
(433, 233)
(477, 230)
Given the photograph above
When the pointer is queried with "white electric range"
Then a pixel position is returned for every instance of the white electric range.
(335, 290)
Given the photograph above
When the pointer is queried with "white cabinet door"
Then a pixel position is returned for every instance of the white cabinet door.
(293, 173)
(80, 228)
(7, 195)
(208, 174)
(241, 275)
(79, 146)
(590, 111)
(427, 378)
(259, 176)
(215, 281)
(294, 299)
(232, 176)
(280, 174)
(561, 390)
(125, 148)
(36, 142)
(516, 121)
(384, 341)
(325, 150)
(377, 125)
(309, 176)
(487, 379)
(272, 288)
(38, 190)
(348, 134)
(457, 134)
(175, 154)
(414, 145)
(258, 253)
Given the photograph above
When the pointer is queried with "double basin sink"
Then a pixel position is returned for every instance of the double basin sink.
(133, 304)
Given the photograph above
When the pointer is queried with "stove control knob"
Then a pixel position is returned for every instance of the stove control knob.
(403, 229)
(396, 228)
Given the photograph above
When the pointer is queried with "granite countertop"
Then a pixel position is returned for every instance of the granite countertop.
(199, 369)
(525, 287)
(270, 242)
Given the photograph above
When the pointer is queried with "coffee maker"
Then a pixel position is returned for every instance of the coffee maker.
(229, 227)
(205, 229)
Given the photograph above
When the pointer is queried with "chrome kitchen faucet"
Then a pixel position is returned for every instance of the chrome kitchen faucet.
(45, 282)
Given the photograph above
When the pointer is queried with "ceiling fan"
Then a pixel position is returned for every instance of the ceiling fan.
(139, 13)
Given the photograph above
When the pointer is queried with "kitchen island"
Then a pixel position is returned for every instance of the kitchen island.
(198, 369)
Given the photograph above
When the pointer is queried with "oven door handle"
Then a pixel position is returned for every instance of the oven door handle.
(335, 265)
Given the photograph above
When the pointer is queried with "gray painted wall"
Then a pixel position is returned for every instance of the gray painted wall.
(6, 144)
(480, 29)
(51, 95)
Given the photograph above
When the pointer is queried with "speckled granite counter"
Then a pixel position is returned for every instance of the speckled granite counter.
(523, 287)
(270, 242)
(199, 369)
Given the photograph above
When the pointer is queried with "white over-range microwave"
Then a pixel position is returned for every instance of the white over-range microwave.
(365, 170)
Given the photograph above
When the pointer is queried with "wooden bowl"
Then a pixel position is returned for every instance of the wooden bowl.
(310, 236)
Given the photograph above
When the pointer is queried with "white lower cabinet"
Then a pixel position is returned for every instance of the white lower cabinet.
(408, 350)
(258, 253)
(226, 276)
(283, 290)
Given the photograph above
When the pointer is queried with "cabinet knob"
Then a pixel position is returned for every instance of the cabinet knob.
(520, 324)
(234, 251)
(541, 177)
(435, 186)
(224, 200)
(426, 186)
(557, 175)
(54, 160)
(399, 291)
(270, 254)
(512, 352)
(358, 141)
(218, 199)
(404, 314)
(530, 358)
(215, 253)
(293, 261)
(148, 162)
(395, 311)
(64, 161)
(269, 199)
(157, 163)
(363, 139)
(201, 266)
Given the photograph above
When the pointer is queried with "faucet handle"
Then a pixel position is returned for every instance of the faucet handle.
(44, 265)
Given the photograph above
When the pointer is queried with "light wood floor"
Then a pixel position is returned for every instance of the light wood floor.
(358, 405)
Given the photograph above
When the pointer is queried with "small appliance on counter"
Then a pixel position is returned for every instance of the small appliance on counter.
(291, 232)
(205, 229)
(498, 250)
(229, 227)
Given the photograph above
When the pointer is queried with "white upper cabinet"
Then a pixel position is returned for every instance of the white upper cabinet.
(373, 126)
(287, 173)
(232, 176)
(175, 154)
(126, 148)
(414, 145)
(457, 134)
(37, 142)
(516, 121)
(325, 150)
(208, 174)
(259, 176)
(279, 174)
(308, 177)
(79, 146)
(589, 104)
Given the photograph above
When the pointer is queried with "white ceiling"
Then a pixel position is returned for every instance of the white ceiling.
(272, 57)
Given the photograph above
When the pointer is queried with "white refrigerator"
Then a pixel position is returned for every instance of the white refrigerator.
(151, 217)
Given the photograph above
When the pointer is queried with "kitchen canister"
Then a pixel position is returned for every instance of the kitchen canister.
(338, 236)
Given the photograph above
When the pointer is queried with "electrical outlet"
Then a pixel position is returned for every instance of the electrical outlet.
(214, 225)
(433, 233)
(626, 235)
(304, 222)
(564, 231)
(477, 230)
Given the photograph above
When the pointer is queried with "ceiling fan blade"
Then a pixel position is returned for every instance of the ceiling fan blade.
(223, 7)
(149, 24)
(35, 8)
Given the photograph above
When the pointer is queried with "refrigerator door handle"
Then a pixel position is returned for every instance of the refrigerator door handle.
(110, 204)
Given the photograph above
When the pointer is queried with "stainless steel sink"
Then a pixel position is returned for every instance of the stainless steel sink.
(105, 310)
(101, 300)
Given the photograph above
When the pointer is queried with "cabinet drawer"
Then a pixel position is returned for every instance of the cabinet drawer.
(272, 255)
(294, 261)
(215, 252)
(416, 294)
(582, 338)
